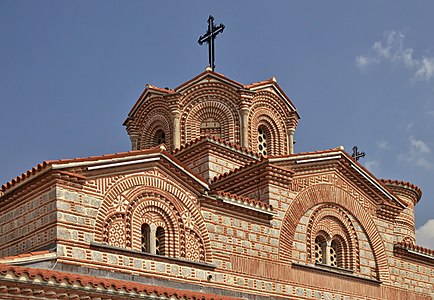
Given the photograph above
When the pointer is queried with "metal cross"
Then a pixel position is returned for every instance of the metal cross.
(209, 38)
(356, 154)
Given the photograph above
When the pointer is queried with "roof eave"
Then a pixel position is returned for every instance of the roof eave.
(208, 73)
(339, 154)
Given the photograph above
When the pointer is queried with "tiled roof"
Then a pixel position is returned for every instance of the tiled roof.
(218, 140)
(103, 283)
(245, 200)
(259, 83)
(415, 248)
(337, 153)
(164, 90)
(47, 164)
(38, 168)
(226, 174)
(405, 184)
(44, 165)
(26, 255)
(208, 72)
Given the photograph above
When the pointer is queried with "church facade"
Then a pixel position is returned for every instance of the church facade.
(212, 202)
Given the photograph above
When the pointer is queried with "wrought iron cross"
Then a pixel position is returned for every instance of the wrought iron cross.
(209, 38)
(356, 154)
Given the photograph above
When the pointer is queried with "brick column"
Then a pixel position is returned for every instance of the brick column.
(134, 142)
(176, 129)
(244, 127)
(152, 241)
(291, 132)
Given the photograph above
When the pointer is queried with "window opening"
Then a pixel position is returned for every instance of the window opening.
(160, 137)
(146, 237)
(159, 241)
(333, 254)
(319, 251)
(262, 141)
(328, 252)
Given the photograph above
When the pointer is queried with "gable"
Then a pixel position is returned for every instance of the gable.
(337, 167)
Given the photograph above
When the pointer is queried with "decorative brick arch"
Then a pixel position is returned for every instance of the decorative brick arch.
(335, 221)
(210, 100)
(142, 211)
(131, 187)
(326, 193)
(157, 119)
(263, 115)
(275, 132)
(219, 111)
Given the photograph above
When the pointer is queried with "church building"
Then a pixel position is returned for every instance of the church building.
(212, 202)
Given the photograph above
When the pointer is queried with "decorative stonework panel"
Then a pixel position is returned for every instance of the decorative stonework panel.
(194, 247)
(332, 178)
(115, 231)
(116, 234)
(120, 203)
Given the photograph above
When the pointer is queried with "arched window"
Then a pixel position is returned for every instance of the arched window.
(146, 238)
(333, 254)
(329, 252)
(320, 249)
(262, 140)
(210, 126)
(159, 241)
(153, 239)
(159, 137)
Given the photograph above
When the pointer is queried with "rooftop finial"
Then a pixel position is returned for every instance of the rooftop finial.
(356, 154)
(209, 38)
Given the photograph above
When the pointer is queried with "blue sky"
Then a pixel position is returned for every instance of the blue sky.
(360, 73)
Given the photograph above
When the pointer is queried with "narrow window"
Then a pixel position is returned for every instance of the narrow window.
(333, 253)
(159, 241)
(262, 140)
(160, 137)
(320, 248)
(146, 238)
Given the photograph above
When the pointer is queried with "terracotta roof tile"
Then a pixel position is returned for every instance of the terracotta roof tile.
(245, 200)
(226, 174)
(107, 156)
(259, 83)
(216, 139)
(406, 184)
(164, 90)
(107, 283)
(42, 166)
(415, 248)
(25, 255)
(180, 163)
(208, 72)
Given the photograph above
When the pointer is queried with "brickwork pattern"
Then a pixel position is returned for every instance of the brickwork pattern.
(268, 112)
(28, 224)
(326, 193)
(214, 101)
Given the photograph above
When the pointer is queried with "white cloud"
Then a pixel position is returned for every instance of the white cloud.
(425, 235)
(417, 153)
(430, 113)
(365, 61)
(383, 144)
(373, 166)
(391, 49)
(418, 146)
(426, 70)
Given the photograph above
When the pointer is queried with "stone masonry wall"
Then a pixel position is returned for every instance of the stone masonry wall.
(28, 223)
(245, 251)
